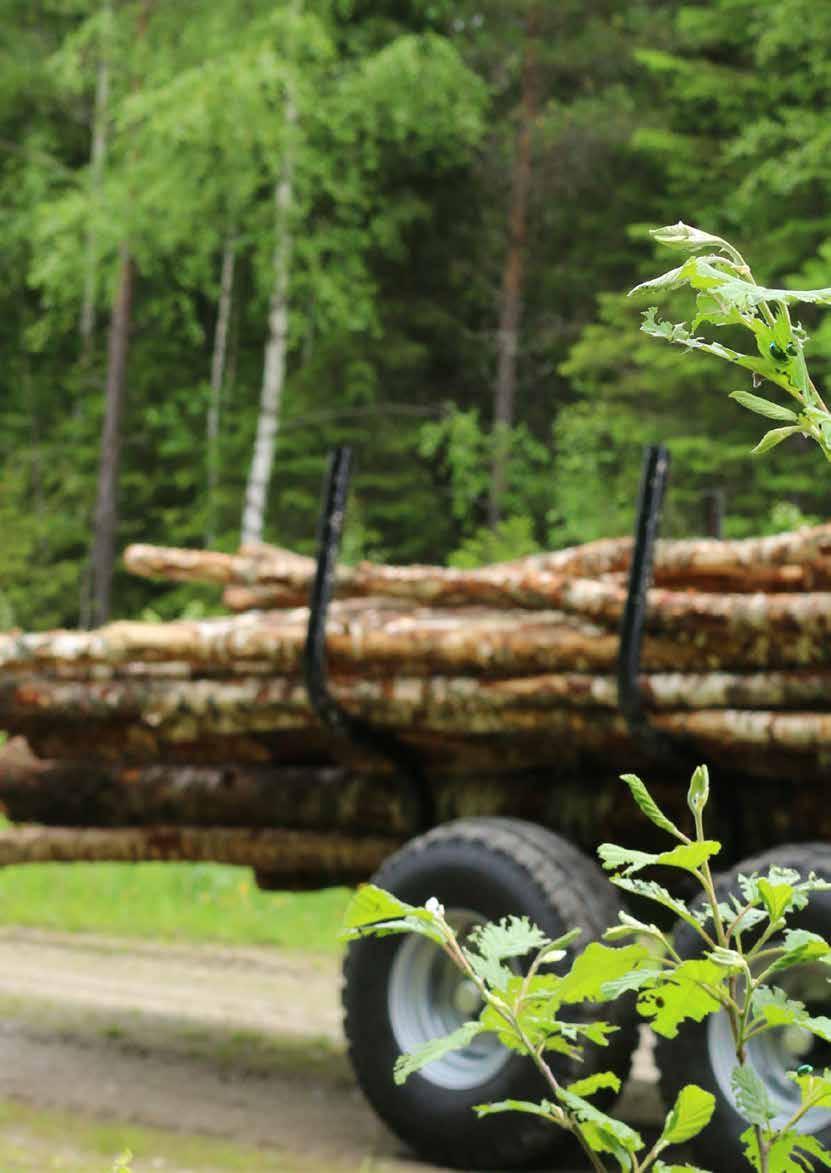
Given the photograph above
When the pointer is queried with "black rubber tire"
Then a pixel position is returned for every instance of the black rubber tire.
(497, 867)
(686, 1059)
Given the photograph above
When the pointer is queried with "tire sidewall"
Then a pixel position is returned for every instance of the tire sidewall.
(686, 1059)
(460, 874)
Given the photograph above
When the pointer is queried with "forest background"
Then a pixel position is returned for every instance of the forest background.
(235, 233)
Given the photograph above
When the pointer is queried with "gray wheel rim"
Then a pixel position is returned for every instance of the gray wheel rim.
(427, 997)
(775, 1053)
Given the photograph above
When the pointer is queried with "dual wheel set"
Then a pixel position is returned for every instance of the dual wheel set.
(401, 991)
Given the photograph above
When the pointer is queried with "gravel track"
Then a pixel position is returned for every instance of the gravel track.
(242, 1043)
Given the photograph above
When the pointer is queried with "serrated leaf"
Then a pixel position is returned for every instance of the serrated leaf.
(688, 991)
(690, 856)
(636, 979)
(691, 1112)
(655, 892)
(751, 1095)
(495, 975)
(593, 1083)
(513, 936)
(800, 947)
(815, 1088)
(772, 438)
(371, 904)
(543, 1109)
(788, 1152)
(594, 967)
(687, 856)
(602, 1133)
(647, 804)
(374, 912)
(765, 407)
(777, 898)
(699, 790)
(406, 1065)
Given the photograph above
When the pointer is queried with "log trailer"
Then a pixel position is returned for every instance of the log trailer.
(485, 850)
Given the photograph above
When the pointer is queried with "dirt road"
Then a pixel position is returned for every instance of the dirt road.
(237, 1043)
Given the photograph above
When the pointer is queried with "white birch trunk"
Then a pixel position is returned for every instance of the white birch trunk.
(274, 367)
(98, 156)
(220, 350)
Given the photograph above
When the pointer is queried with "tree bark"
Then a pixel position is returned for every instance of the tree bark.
(98, 153)
(263, 576)
(220, 348)
(514, 271)
(274, 367)
(295, 858)
(106, 510)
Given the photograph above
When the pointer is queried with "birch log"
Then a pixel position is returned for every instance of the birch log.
(792, 561)
(429, 703)
(290, 858)
(691, 632)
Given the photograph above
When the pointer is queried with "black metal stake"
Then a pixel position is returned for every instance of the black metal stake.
(650, 501)
(418, 795)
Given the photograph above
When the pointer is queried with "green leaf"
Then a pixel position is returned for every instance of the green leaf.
(687, 856)
(406, 1065)
(683, 235)
(815, 1088)
(729, 958)
(662, 1167)
(602, 1133)
(688, 991)
(775, 1008)
(765, 407)
(371, 904)
(513, 936)
(495, 975)
(652, 891)
(669, 280)
(690, 1113)
(594, 967)
(649, 806)
(772, 438)
(752, 1098)
(543, 1109)
(788, 1153)
(630, 926)
(593, 1083)
(777, 898)
(636, 979)
(374, 912)
(800, 947)
(699, 790)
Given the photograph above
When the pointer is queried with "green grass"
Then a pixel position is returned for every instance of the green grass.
(34, 1140)
(186, 902)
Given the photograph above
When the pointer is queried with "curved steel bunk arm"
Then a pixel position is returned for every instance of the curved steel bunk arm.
(654, 475)
(331, 713)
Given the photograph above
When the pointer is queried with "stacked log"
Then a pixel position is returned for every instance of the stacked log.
(498, 682)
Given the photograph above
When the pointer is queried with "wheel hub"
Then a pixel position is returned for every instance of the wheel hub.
(427, 998)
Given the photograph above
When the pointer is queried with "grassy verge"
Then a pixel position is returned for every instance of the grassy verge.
(31, 1139)
(187, 902)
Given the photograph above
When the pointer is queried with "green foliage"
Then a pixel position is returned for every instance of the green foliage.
(731, 976)
(727, 295)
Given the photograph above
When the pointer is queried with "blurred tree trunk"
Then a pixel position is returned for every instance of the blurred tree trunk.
(218, 360)
(106, 509)
(97, 160)
(274, 366)
(513, 274)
